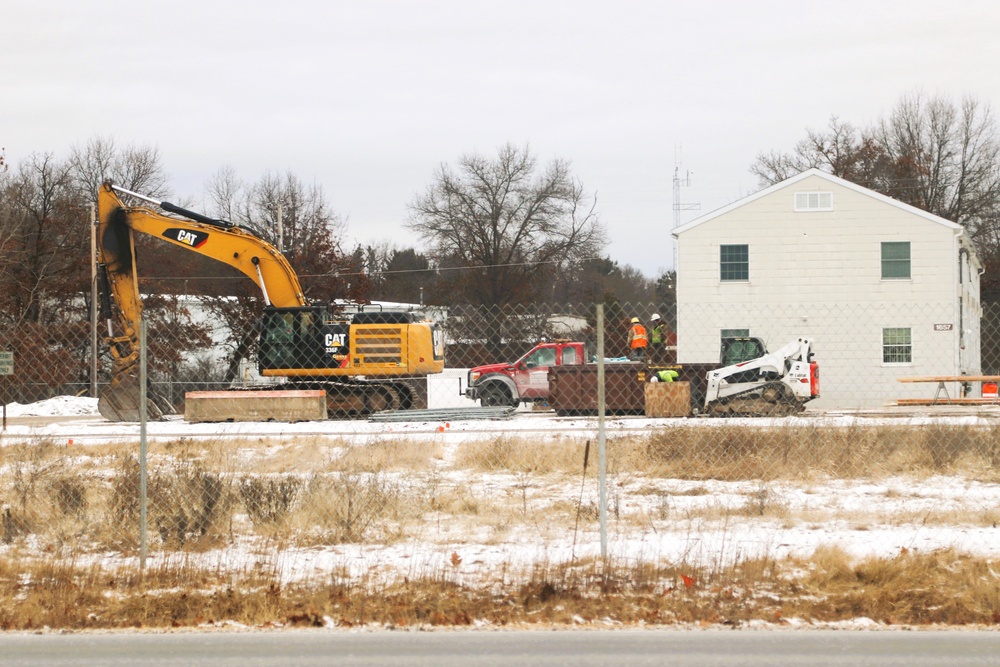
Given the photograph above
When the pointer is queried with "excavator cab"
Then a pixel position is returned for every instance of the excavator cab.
(300, 338)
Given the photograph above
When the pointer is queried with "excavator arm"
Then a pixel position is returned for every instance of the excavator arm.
(218, 239)
(374, 361)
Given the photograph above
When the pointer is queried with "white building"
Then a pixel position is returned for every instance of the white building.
(886, 290)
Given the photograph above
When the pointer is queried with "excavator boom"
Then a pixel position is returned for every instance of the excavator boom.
(298, 342)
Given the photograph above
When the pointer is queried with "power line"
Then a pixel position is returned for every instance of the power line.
(364, 273)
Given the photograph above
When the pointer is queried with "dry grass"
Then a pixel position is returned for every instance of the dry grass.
(519, 454)
(63, 504)
(381, 455)
(938, 588)
(311, 491)
(804, 452)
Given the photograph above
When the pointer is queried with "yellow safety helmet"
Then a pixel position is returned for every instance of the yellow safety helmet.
(635, 320)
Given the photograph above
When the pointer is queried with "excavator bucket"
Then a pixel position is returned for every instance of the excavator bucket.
(121, 401)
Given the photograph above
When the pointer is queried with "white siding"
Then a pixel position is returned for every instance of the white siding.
(818, 274)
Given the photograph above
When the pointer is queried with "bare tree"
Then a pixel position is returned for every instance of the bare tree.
(841, 149)
(508, 224)
(944, 158)
(311, 239)
(929, 152)
(43, 222)
(42, 239)
(136, 168)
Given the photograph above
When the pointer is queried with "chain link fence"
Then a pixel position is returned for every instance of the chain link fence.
(888, 442)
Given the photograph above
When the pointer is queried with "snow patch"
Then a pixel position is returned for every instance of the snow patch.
(59, 406)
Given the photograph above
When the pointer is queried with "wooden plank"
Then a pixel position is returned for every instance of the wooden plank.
(946, 401)
(951, 378)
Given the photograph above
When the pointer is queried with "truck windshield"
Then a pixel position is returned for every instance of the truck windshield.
(543, 357)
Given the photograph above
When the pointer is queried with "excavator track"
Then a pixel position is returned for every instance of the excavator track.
(360, 398)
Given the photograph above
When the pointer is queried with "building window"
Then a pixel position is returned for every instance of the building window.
(735, 333)
(813, 201)
(895, 260)
(734, 262)
(897, 345)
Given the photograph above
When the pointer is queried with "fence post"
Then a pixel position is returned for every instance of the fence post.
(602, 454)
(142, 445)
(93, 301)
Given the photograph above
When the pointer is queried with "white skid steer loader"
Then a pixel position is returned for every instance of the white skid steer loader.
(777, 383)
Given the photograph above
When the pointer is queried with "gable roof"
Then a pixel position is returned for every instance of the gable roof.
(828, 177)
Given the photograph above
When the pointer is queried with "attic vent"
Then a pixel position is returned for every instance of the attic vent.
(813, 201)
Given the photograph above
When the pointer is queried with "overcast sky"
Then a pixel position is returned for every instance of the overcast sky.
(368, 98)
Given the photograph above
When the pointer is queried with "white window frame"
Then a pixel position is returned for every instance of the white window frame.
(734, 333)
(909, 345)
(812, 201)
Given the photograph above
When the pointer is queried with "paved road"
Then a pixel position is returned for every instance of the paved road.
(631, 648)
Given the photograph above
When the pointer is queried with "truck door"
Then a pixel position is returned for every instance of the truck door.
(570, 356)
(532, 373)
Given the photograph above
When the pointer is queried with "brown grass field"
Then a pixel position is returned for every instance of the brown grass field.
(68, 557)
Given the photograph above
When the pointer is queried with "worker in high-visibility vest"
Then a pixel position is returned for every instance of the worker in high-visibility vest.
(637, 340)
(666, 375)
(657, 339)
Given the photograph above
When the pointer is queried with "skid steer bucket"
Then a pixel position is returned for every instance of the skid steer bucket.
(121, 401)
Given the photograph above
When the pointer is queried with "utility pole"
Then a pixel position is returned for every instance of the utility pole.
(281, 232)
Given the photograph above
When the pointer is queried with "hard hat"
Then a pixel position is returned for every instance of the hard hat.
(635, 320)
(656, 317)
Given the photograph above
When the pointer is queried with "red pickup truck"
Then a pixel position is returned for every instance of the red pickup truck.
(527, 379)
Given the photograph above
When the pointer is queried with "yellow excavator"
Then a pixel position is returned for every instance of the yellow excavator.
(366, 362)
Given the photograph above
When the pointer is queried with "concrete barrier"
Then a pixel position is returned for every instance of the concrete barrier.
(291, 405)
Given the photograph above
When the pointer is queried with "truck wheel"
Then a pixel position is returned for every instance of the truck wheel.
(496, 396)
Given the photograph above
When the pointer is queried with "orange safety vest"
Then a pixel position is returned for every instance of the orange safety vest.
(637, 336)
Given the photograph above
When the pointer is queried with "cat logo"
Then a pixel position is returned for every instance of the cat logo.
(186, 236)
(335, 341)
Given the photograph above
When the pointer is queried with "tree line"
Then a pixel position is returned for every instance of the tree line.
(497, 230)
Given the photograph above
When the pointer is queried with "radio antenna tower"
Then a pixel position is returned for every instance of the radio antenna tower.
(678, 182)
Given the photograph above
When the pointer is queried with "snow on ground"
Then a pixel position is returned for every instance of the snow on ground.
(60, 406)
(669, 520)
